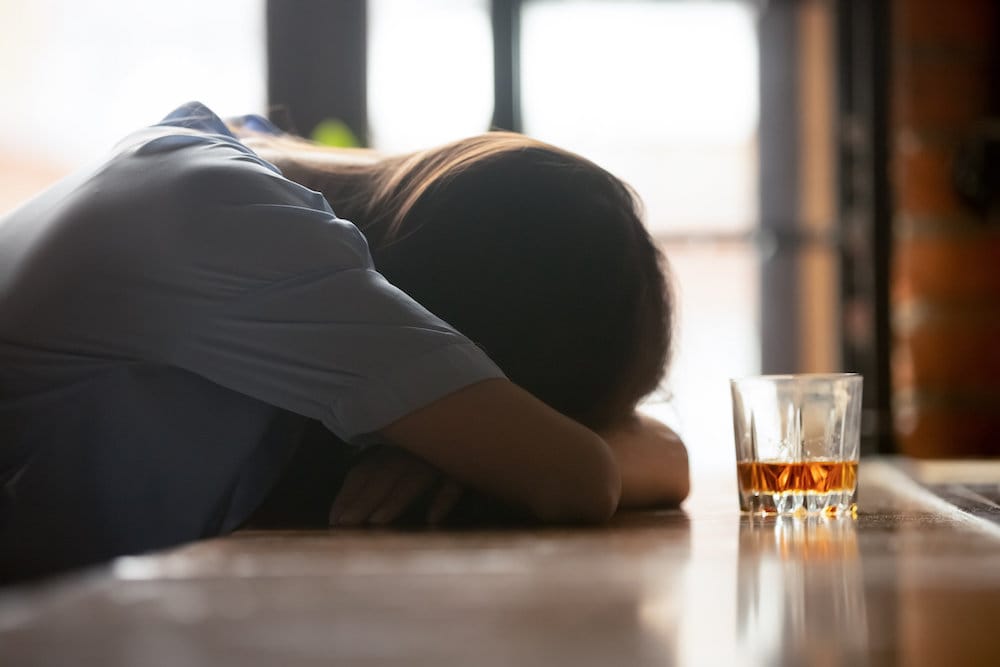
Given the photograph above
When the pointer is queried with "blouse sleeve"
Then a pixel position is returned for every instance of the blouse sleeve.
(340, 345)
(256, 285)
(296, 315)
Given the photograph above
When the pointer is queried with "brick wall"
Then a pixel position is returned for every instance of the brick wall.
(946, 254)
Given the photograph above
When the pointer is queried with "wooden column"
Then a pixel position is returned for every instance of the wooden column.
(946, 268)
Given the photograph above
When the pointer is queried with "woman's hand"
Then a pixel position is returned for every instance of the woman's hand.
(653, 463)
(386, 483)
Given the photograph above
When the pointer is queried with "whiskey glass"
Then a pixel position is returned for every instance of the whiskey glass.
(797, 439)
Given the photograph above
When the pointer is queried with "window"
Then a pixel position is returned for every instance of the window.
(86, 73)
(430, 68)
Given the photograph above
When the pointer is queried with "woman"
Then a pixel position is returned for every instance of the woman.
(173, 321)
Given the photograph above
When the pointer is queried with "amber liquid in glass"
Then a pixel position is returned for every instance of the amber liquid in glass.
(774, 477)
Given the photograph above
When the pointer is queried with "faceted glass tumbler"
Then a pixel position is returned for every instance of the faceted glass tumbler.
(797, 439)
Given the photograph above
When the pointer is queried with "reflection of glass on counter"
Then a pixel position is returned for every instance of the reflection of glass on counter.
(801, 591)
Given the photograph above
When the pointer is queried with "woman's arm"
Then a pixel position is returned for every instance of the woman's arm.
(502, 441)
(652, 461)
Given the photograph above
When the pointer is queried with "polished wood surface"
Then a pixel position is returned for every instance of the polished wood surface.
(912, 581)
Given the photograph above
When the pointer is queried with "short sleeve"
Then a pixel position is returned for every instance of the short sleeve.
(340, 345)
(284, 304)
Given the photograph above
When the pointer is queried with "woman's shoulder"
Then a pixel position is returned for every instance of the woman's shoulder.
(190, 161)
(210, 198)
(196, 116)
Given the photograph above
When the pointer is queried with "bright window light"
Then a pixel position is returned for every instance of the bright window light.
(641, 73)
(80, 75)
(664, 94)
(430, 72)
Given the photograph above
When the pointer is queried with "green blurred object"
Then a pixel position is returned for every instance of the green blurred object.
(334, 132)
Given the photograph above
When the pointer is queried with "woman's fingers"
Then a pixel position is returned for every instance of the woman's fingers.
(408, 489)
(381, 487)
(444, 501)
(367, 485)
(354, 482)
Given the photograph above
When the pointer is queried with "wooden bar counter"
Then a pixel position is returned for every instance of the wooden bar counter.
(913, 580)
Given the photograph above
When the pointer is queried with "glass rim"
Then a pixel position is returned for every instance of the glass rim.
(797, 377)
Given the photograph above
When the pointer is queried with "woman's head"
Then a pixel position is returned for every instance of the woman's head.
(536, 254)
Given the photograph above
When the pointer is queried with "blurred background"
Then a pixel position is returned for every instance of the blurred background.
(821, 174)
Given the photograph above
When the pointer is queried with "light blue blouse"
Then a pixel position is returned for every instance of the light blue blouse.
(168, 318)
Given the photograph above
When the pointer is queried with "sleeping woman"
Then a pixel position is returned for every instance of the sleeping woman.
(185, 323)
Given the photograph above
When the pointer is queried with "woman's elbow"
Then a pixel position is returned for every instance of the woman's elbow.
(589, 496)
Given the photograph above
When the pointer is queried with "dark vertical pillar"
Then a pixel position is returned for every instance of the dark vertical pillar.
(779, 201)
(506, 17)
(865, 207)
(317, 59)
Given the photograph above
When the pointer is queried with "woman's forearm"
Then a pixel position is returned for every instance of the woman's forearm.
(652, 461)
(500, 440)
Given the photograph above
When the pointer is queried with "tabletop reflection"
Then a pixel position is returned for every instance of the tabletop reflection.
(800, 591)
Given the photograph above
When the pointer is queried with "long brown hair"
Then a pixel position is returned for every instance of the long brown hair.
(535, 253)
